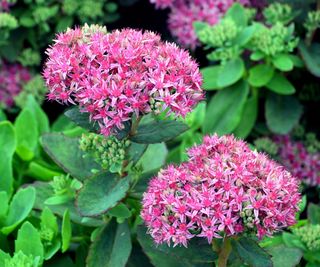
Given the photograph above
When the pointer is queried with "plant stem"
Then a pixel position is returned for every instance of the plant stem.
(135, 126)
(224, 252)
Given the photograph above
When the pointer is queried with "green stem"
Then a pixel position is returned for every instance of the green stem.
(224, 252)
(135, 126)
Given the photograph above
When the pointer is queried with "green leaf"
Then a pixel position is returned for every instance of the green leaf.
(230, 72)
(29, 241)
(225, 109)
(72, 159)
(282, 113)
(260, 75)
(81, 119)
(66, 231)
(149, 162)
(101, 193)
(256, 56)
(245, 35)
(195, 118)
(314, 213)
(120, 211)
(284, 256)
(158, 131)
(3, 116)
(250, 252)
(4, 200)
(19, 208)
(39, 114)
(62, 123)
(44, 191)
(292, 241)
(27, 134)
(210, 77)
(311, 57)
(283, 62)
(248, 118)
(7, 148)
(112, 247)
(49, 220)
(279, 84)
(238, 14)
(198, 253)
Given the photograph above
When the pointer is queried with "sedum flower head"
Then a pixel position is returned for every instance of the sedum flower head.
(121, 74)
(309, 235)
(303, 164)
(12, 79)
(223, 189)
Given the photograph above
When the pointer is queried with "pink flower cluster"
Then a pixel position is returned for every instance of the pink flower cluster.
(116, 75)
(295, 157)
(183, 13)
(12, 78)
(223, 189)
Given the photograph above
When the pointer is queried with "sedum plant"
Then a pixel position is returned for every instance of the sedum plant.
(250, 60)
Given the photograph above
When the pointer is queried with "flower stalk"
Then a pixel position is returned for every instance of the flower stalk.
(225, 252)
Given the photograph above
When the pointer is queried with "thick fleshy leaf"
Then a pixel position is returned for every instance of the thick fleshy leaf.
(238, 14)
(284, 256)
(29, 241)
(260, 75)
(158, 131)
(231, 72)
(283, 62)
(66, 153)
(7, 148)
(101, 193)
(314, 213)
(66, 231)
(39, 114)
(282, 113)
(27, 134)
(136, 151)
(149, 162)
(248, 118)
(225, 109)
(280, 85)
(198, 253)
(19, 208)
(311, 57)
(44, 191)
(250, 252)
(210, 77)
(81, 119)
(112, 247)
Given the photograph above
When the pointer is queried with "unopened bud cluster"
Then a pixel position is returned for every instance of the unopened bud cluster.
(267, 145)
(275, 40)
(278, 12)
(20, 260)
(108, 152)
(309, 235)
(61, 184)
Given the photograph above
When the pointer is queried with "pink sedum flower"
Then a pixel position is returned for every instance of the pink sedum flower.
(223, 189)
(117, 75)
(12, 78)
(296, 158)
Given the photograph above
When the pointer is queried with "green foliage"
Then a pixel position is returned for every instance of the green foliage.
(101, 193)
(158, 131)
(282, 113)
(250, 252)
(197, 254)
